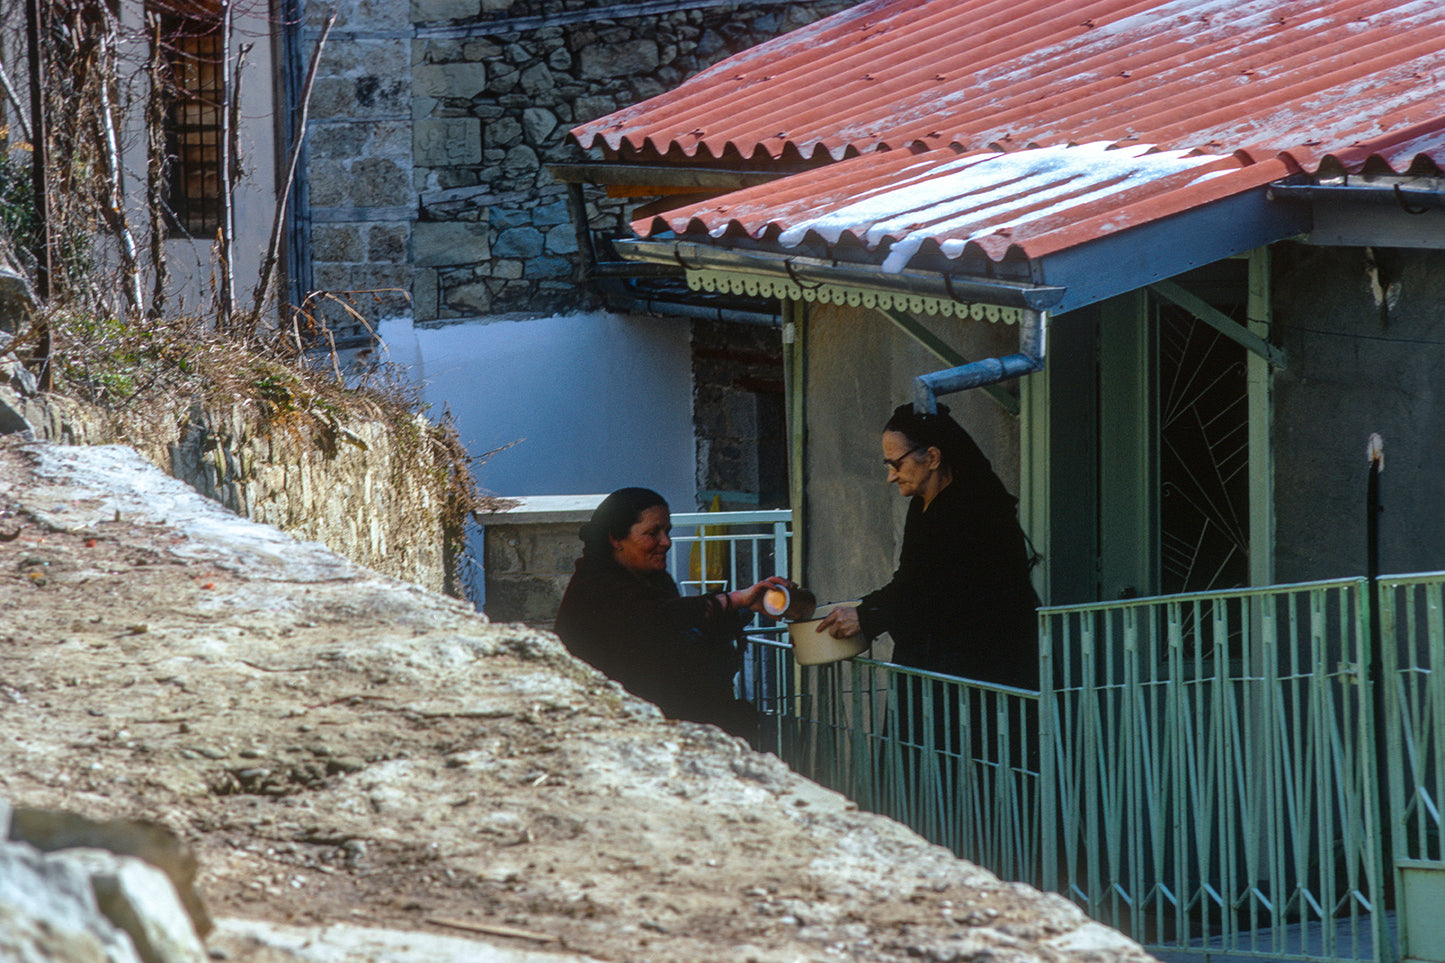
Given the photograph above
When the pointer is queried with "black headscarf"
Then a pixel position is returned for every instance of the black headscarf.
(960, 453)
(614, 518)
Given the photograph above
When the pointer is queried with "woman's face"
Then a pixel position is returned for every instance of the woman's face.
(645, 547)
(911, 467)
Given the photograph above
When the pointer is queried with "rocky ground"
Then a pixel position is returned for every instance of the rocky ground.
(354, 759)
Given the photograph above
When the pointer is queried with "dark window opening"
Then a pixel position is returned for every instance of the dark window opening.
(195, 79)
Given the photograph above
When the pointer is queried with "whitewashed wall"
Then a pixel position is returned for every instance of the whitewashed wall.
(593, 401)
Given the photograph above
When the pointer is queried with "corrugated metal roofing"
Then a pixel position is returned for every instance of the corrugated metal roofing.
(1013, 129)
(1025, 204)
(1260, 76)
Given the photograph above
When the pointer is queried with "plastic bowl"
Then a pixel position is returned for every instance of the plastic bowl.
(811, 647)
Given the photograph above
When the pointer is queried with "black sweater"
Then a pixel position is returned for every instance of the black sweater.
(961, 601)
(676, 652)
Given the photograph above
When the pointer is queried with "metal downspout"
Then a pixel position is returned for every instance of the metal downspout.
(793, 378)
(986, 371)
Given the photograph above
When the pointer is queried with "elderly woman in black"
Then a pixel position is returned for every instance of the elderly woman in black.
(961, 601)
(623, 614)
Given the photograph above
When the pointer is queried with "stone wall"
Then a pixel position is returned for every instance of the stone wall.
(364, 490)
(529, 549)
(432, 125)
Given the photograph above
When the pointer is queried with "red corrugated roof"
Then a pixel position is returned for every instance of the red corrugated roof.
(1267, 76)
(1025, 204)
(1018, 128)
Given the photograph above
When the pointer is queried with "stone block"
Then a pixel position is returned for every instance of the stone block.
(548, 267)
(537, 80)
(519, 242)
(590, 108)
(503, 78)
(502, 132)
(432, 11)
(551, 213)
(386, 243)
(524, 598)
(506, 269)
(448, 141)
(458, 81)
(334, 141)
(380, 94)
(440, 243)
(562, 240)
(49, 912)
(560, 60)
(380, 182)
(333, 98)
(538, 124)
(470, 298)
(424, 294)
(336, 242)
(480, 49)
(626, 59)
(520, 160)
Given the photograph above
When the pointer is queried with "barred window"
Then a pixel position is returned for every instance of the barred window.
(190, 35)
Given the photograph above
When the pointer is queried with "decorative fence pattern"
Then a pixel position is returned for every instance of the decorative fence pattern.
(1214, 783)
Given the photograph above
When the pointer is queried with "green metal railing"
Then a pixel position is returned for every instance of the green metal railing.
(1214, 784)
(955, 760)
(1412, 618)
(1200, 771)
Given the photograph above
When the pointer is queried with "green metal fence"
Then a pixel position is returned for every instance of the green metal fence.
(955, 760)
(1412, 619)
(1218, 774)
(1214, 780)
(1199, 771)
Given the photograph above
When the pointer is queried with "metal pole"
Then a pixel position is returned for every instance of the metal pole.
(1376, 769)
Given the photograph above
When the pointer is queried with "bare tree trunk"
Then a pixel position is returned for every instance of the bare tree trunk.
(39, 360)
(113, 207)
(157, 167)
(226, 236)
(14, 99)
(273, 249)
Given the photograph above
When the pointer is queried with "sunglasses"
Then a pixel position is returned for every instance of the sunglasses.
(897, 463)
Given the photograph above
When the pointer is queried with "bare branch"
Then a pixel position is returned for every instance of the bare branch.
(268, 266)
(113, 208)
(14, 99)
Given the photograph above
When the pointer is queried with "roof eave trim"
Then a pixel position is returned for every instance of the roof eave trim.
(807, 271)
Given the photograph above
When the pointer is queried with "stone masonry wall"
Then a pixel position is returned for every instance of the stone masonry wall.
(362, 491)
(433, 124)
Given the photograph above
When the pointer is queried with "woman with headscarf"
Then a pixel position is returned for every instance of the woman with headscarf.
(622, 613)
(961, 601)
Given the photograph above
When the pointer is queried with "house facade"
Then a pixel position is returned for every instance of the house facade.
(1218, 266)
(426, 222)
(439, 202)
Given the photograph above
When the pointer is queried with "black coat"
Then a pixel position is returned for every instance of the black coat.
(679, 653)
(961, 601)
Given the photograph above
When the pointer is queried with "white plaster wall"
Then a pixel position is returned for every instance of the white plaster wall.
(190, 263)
(594, 402)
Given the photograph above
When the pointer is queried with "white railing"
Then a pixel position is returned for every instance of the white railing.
(721, 551)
